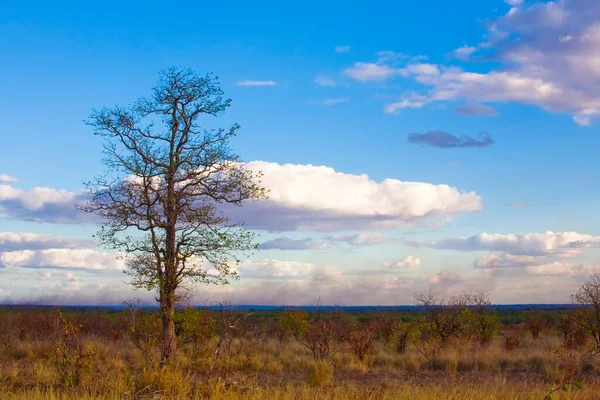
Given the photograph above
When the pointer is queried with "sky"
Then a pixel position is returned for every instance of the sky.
(405, 145)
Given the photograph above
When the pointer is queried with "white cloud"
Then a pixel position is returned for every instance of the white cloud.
(534, 69)
(394, 108)
(406, 262)
(554, 268)
(5, 178)
(270, 269)
(514, 2)
(284, 243)
(533, 244)
(365, 72)
(342, 49)
(63, 258)
(325, 81)
(360, 239)
(545, 54)
(345, 201)
(464, 52)
(511, 265)
(69, 276)
(582, 120)
(11, 241)
(256, 83)
(339, 100)
(445, 278)
(507, 261)
(42, 204)
(565, 38)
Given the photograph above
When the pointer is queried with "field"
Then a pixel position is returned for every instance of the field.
(227, 354)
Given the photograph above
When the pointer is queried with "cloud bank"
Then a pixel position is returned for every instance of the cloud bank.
(301, 197)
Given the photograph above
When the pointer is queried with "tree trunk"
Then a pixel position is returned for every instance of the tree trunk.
(169, 339)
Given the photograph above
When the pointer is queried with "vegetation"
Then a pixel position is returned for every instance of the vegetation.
(224, 353)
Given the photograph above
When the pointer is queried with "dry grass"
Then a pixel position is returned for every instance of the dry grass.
(285, 370)
(123, 367)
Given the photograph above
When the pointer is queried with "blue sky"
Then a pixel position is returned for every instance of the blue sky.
(500, 97)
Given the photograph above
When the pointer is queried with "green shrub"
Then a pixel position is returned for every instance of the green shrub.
(321, 374)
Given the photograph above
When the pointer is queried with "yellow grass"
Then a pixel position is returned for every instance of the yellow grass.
(285, 370)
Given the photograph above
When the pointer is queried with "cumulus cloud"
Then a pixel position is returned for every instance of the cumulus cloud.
(271, 269)
(547, 54)
(508, 261)
(544, 54)
(5, 178)
(464, 52)
(445, 278)
(515, 265)
(406, 262)
(532, 244)
(42, 204)
(66, 275)
(475, 109)
(342, 49)
(448, 140)
(84, 259)
(13, 241)
(365, 72)
(255, 83)
(344, 201)
(307, 197)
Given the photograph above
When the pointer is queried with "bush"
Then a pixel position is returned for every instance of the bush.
(72, 358)
(536, 323)
(513, 339)
(321, 374)
(361, 339)
(319, 334)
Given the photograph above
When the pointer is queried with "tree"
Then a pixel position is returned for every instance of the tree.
(587, 314)
(159, 199)
(536, 323)
(442, 318)
(482, 321)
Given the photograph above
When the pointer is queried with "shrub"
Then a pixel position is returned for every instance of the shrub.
(72, 358)
(513, 339)
(361, 339)
(321, 374)
(535, 323)
(404, 332)
(319, 334)
(197, 327)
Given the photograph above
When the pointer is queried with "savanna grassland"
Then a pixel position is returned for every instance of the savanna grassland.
(458, 350)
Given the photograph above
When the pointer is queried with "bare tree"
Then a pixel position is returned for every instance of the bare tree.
(587, 314)
(166, 176)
